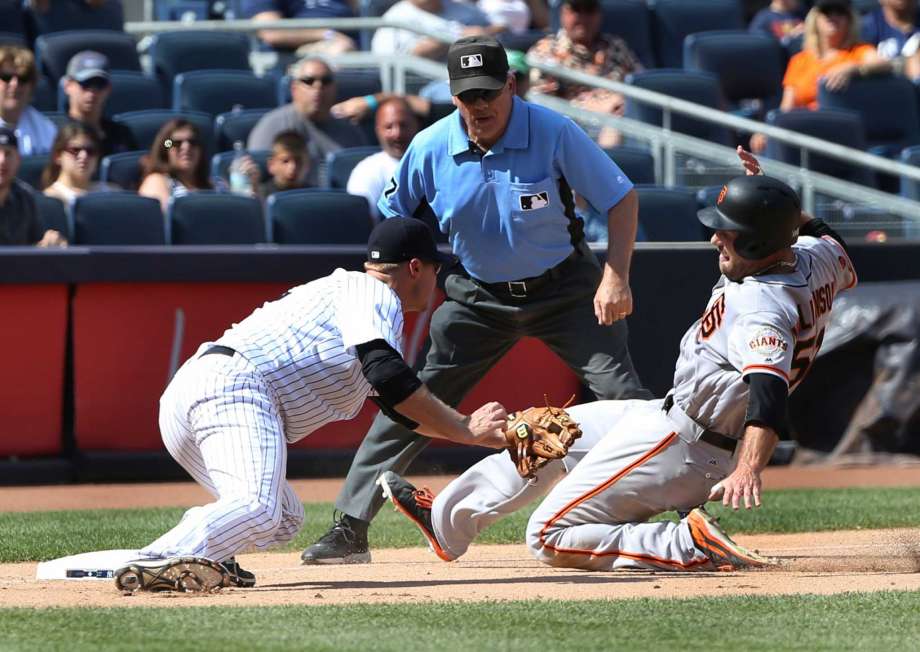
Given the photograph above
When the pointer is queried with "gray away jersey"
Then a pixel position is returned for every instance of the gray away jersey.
(770, 324)
(303, 344)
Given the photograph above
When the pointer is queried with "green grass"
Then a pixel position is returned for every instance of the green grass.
(35, 536)
(876, 621)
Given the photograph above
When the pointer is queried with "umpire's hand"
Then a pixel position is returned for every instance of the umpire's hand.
(613, 299)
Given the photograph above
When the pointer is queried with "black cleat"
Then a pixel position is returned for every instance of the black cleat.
(236, 576)
(342, 544)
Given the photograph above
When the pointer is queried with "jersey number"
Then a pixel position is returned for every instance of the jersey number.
(803, 355)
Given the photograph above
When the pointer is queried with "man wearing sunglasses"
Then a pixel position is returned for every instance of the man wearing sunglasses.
(313, 92)
(88, 86)
(498, 174)
(18, 76)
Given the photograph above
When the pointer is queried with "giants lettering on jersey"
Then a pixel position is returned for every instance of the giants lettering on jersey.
(768, 343)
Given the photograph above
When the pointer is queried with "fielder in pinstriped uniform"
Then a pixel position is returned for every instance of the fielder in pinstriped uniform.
(294, 365)
(709, 438)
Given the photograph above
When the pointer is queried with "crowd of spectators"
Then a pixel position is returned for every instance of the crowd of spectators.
(830, 43)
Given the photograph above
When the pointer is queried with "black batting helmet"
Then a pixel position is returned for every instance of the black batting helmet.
(764, 211)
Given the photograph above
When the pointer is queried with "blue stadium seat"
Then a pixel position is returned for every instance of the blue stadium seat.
(30, 169)
(673, 20)
(698, 87)
(122, 169)
(318, 217)
(131, 91)
(669, 214)
(118, 218)
(173, 53)
(520, 42)
(54, 214)
(59, 118)
(630, 20)
(220, 91)
(349, 83)
(841, 127)
(13, 20)
(637, 163)
(888, 107)
(235, 125)
(910, 188)
(749, 66)
(11, 38)
(45, 96)
(220, 163)
(53, 51)
(144, 125)
(66, 15)
(340, 164)
(214, 218)
(181, 9)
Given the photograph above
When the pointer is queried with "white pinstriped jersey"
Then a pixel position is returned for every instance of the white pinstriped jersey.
(303, 344)
(773, 323)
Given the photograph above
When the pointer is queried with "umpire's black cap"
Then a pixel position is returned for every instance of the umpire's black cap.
(476, 63)
(397, 239)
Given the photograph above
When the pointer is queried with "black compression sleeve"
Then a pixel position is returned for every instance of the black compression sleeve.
(387, 372)
(768, 403)
(817, 228)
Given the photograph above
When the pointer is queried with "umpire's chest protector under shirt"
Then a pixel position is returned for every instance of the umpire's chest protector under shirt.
(504, 211)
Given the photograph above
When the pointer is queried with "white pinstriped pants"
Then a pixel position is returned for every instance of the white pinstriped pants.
(218, 420)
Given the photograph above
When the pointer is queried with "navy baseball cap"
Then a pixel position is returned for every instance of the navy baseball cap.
(88, 64)
(476, 63)
(8, 138)
(398, 239)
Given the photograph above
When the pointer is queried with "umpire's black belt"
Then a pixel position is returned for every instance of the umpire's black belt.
(527, 287)
(709, 436)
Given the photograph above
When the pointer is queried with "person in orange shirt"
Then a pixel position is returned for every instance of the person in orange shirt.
(832, 52)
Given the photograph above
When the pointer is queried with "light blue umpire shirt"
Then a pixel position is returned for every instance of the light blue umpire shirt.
(504, 212)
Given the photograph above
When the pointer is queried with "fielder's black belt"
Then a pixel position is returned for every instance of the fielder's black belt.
(527, 287)
(218, 349)
(717, 439)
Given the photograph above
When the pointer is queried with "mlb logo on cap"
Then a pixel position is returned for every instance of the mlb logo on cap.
(471, 61)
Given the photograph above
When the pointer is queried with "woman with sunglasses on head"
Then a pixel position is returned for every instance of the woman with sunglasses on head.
(73, 161)
(176, 164)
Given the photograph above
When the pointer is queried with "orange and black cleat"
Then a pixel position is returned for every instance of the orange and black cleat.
(711, 539)
(414, 504)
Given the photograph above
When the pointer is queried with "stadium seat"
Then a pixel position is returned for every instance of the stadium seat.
(118, 218)
(131, 91)
(122, 169)
(698, 87)
(11, 38)
(669, 214)
(59, 118)
(53, 51)
(173, 53)
(220, 91)
(235, 125)
(13, 21)
(145, 124)
(318, 217)
(631, 21)
(181, 9)
(54, 214)
(67, 15)
(888, 107)
(840, 127)
(910, 188)
(638, 164)
(30, 169)
(349, 83)
(673, 20)
(749, 66)
(45, 96)
(520, 42)
(220, 163)
(340, 164)
(214, 218)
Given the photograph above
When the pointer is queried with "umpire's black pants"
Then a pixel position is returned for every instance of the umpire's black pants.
(470, 332)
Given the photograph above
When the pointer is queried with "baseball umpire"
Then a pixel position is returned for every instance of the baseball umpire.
(498, 174)
(711, 436)
(294, 365)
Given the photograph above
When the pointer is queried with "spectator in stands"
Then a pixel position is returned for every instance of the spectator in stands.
(579, 45)
(288, 165)
(88, 86)
(894, 30)
(395, 125)
(832, 53)
(176, 164)
(18, 76)
(56, 15)
(453, 19)
(20, 223)
(516, 16)
(73, 161)
(318, 41)
(313, 91)
(782, 19)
